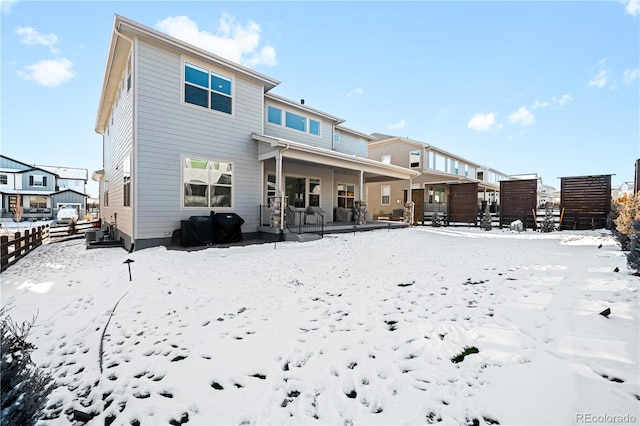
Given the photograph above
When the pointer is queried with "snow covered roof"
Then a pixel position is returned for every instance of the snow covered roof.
(66, 172)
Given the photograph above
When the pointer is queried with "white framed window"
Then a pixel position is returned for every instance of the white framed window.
(414, 159)
(346, 195)
(293, 120)
(207, 89)
(37, 180)
(386, 158)
(4, 180)
(385, 194)
(207, 183)
(105, 192)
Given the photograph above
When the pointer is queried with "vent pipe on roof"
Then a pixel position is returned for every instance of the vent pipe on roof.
(302, 101)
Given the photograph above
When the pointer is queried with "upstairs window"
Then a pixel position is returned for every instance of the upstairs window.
(293, 120)
(207, 89)
(274, 115)
(37, 180)
(414, 159)
(314, 127)
(386, 159)
(3, 179)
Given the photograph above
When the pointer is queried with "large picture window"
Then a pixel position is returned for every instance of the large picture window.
(207, 183)
(207, 89)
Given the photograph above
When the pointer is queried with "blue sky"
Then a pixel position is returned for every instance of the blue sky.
(524, 87)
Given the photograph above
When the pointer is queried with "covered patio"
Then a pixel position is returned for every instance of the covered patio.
(306, 185)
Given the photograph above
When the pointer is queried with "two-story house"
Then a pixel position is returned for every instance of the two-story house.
(186, 132)
(444, 178)
(40, 190)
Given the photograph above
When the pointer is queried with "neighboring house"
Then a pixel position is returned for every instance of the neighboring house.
(186, 132)
(622, 191)
(68, 177)
(37, 189)
(440, 171)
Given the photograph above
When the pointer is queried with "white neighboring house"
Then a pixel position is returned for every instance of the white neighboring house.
(38, 189)
(625, 188)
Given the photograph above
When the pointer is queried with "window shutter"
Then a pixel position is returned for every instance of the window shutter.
(44, 181)
(30, 180)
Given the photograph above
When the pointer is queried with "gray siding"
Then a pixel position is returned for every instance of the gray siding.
(7, 163)
(351, 144)
(118, 143)
(51, 181)
(169, 129)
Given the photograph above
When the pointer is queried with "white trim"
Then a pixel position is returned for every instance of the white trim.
(210, 70)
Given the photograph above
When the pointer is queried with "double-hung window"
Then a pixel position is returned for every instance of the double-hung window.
(3, 179)
(385, 192)
(207, 89)
(414, 159)
(207, 183)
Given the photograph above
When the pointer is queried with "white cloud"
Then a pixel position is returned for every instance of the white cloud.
(399, 125)
(482, 122)
(49, 73)
(354, 92)
(537, 104)
(554, 101)
(5, 5)
(600, 79)
(631, 75)
(633, 7)
(522, 116)
(232, 40)
(30, 36)
(563, 100)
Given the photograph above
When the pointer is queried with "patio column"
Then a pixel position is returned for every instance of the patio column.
(278, 202)
(360, 204)
(408, 206)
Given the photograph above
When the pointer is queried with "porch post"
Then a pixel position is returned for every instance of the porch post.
(279, 202)
(408, 206)
(360, 204)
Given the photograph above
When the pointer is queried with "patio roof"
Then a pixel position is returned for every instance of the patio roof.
(373, 170)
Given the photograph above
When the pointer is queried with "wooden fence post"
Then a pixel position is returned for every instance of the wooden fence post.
(4, 250)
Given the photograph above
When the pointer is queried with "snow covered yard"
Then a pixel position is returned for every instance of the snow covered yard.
(350, 329)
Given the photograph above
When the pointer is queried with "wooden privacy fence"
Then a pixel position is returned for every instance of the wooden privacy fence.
(518, 200)
(586, 201)
(463, 203)
(16, 247)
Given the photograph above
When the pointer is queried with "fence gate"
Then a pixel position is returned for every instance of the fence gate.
(518, 200)
(586, 201)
